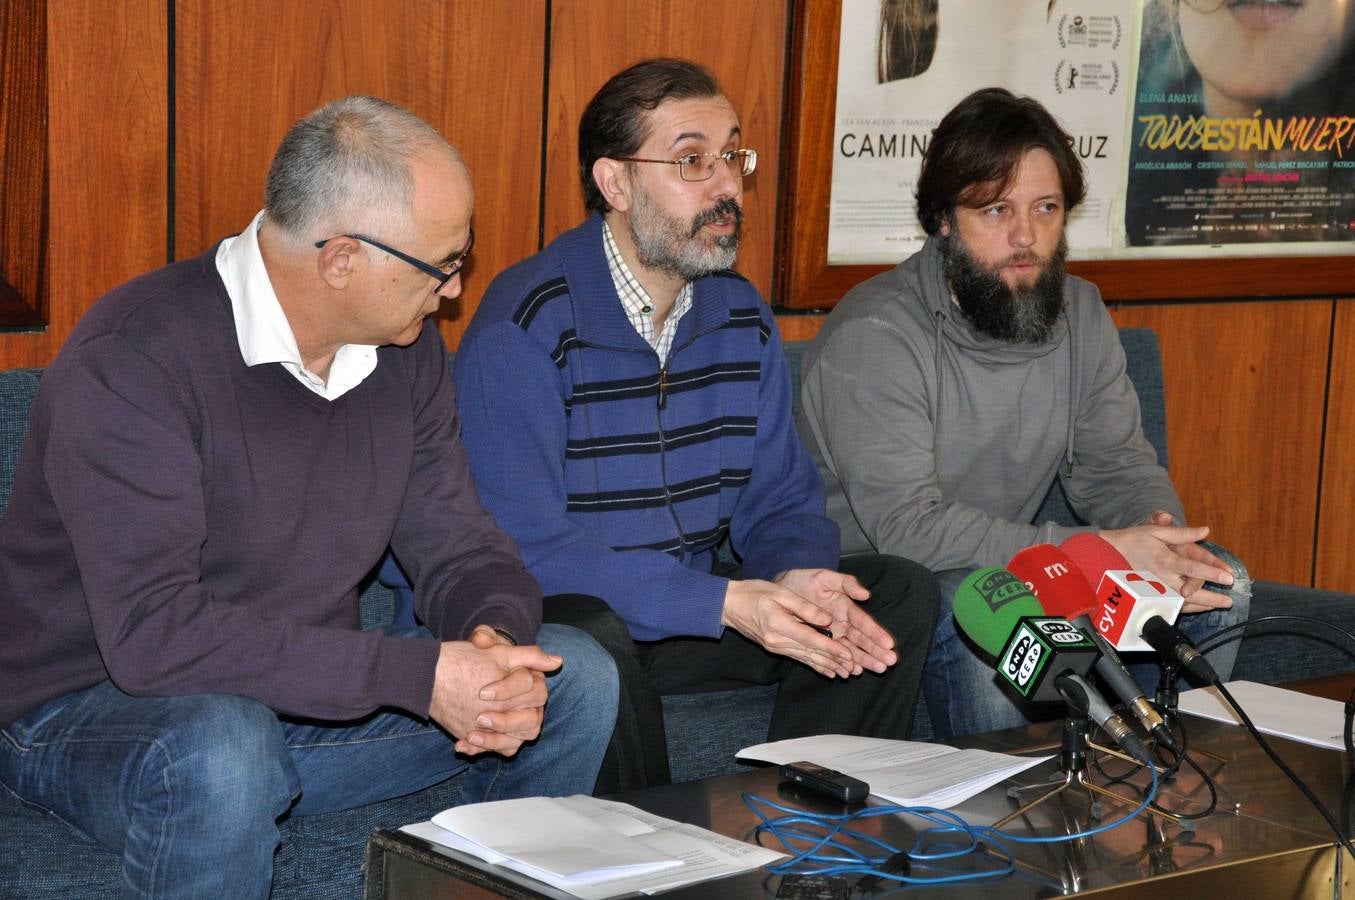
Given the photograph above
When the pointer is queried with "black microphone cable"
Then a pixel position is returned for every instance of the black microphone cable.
(1288, 772)
(1167, 692)
(1179, 756)
(1347, 800)
(1167, 689)
(1217, 639)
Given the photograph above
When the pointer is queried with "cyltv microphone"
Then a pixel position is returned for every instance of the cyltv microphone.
(1087, 700)
(1156, 628)
(996, 611)
(1125, 598)
(1063, 591)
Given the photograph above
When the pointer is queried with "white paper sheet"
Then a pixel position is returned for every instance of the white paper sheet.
(1273, 710)
(589, 859)
(910, 773)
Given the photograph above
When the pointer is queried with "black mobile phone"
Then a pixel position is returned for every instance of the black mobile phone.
(813, 887)
(826, 781)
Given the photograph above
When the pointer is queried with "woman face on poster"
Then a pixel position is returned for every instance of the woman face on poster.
(1252, 53)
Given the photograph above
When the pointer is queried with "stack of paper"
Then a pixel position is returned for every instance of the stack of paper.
(591, 848)
(1273, 710)
(909, 773)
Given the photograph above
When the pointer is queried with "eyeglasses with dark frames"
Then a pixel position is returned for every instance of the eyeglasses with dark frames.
(701, 166)
(442, 274)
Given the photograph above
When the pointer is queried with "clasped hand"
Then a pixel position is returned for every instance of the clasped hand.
(1172, 553)
(489, 694)
(785, 616)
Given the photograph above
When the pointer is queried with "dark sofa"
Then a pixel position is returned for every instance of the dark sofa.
(321, 856)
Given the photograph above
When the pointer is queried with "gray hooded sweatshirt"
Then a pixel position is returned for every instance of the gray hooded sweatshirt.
(938, 443)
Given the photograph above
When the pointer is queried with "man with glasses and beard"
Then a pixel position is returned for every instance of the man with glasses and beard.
(941, 399)
(627, 409)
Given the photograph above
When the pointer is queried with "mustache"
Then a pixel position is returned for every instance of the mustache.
(724, 209)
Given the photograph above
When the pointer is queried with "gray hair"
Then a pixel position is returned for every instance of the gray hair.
(345, 167)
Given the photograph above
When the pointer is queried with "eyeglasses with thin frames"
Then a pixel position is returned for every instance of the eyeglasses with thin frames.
(442, 274)
(701, 166)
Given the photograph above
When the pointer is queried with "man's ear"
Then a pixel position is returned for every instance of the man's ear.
(613, 180)
(944, 227)
(337, 261)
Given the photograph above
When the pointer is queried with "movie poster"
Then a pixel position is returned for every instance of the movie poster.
(904, 63)
(1244, 123)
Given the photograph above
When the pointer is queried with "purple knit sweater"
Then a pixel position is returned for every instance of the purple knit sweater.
(181, 523)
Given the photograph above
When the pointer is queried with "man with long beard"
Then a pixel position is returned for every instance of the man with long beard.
(942, 399)
(626, 407)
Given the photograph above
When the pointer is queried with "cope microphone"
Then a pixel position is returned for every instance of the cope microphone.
(1061, 589)
(995, 610)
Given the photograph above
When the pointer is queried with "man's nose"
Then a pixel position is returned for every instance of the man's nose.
(451, 288)
(724, 184)
(1022, 232)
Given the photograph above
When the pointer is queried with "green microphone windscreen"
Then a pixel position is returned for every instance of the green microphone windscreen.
(988, 604)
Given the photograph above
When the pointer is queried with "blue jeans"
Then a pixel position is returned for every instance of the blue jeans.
(961, 690)
(189, 790)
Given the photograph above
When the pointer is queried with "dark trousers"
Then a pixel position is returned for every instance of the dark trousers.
(903, 598)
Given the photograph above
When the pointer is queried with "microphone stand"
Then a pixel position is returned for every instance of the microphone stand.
(1073, 755)
(1167, 697)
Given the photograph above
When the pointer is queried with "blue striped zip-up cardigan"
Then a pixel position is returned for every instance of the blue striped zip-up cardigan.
(617, 477)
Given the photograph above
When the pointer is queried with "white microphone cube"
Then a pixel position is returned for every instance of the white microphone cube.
(1127, 599)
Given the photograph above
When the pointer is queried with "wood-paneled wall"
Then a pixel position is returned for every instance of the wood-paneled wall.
(107, 139)
(1335, 564)
(1245, 395)
(150, 159)
(472, 70)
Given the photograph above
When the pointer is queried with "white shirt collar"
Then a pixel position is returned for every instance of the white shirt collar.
(262, 329)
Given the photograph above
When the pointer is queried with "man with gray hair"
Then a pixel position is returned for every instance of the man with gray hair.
(217, 458)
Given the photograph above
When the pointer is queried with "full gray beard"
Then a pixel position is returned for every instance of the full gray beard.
(667, 245)
(1023, 315)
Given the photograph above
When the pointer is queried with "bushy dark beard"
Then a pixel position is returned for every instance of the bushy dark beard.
(1024, 315)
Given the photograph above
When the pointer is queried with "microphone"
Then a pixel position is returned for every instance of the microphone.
(1093, 555)
(1062, 590)
(1171, 643)
(1084, 698)
(1156, 627)
(1055, 580)
(1125, 598)
(996, 611)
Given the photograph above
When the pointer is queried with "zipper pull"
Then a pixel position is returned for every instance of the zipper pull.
(663, 387)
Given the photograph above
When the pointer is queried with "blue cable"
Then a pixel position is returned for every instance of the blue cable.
(820, 843)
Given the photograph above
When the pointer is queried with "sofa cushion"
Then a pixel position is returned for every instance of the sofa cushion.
(18, 387)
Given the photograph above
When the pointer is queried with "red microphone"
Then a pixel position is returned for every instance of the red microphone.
(1062, 588)
(1094, 555)
(1126, 599)
(1055, 580)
